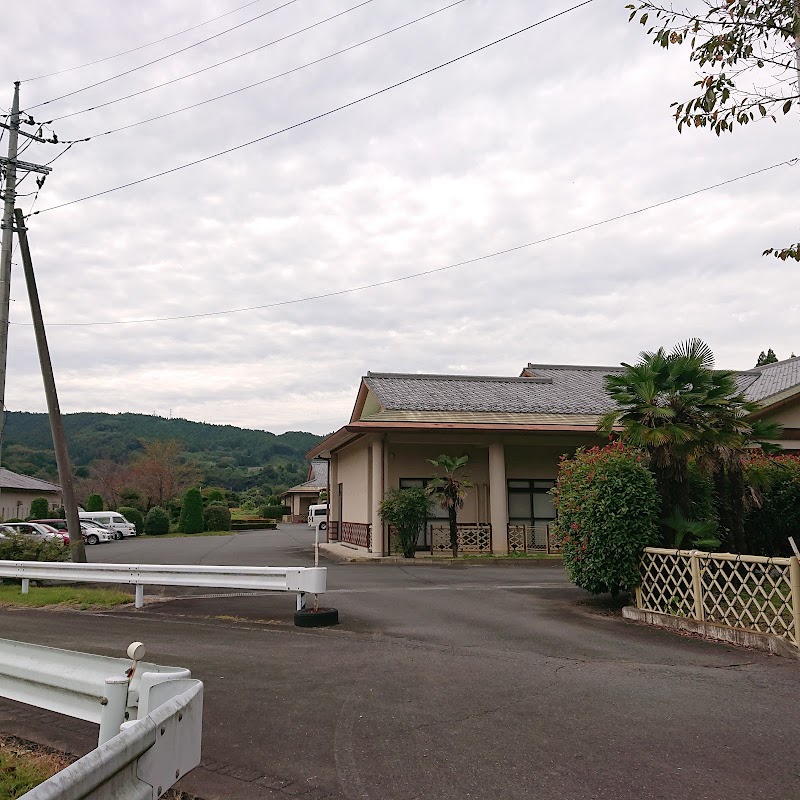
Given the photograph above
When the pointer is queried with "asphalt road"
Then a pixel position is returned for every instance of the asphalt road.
(441, 682)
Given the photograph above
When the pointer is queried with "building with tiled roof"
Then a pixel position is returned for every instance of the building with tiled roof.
(514, 431)
(305, 494)
(17, 491)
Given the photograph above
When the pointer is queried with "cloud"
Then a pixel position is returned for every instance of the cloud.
(554, 130)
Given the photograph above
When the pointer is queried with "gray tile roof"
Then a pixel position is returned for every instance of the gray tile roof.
(318, 479)
(773, 379)
(551, 389)
(13, 480)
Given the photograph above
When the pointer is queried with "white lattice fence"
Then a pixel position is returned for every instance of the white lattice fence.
(531, 539)
(750, 592)
(747, 594)
(471, 538)
(667, 582)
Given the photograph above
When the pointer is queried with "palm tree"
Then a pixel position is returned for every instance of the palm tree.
(450, 490)
(677, 406)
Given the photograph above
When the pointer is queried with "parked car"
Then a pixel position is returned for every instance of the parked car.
(116, 523)
(318, 516)
(92, 534)
(37, 530)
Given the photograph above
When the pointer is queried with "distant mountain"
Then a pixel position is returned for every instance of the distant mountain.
(224, 455)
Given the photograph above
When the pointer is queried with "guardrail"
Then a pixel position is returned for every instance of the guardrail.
(150, 718)
(299, 580)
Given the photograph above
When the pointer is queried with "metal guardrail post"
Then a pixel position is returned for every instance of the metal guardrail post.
(697, 586)
(114, 703)
(26, 585)
(794, 578)
(139, 595)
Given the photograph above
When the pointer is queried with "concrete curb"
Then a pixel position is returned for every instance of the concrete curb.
(343, 554)
(738, 636)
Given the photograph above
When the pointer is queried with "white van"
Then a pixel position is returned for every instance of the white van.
(318, 516)
(115, 522)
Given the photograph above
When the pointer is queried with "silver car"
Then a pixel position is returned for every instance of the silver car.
(36, 530)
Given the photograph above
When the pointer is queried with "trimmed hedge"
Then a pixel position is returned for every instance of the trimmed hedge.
(156, 523)
(191, 518)
(607, 504)
(133, 515)
(253, 525)
(273, 512)
(40, 508)
(217, 517)
(94, 503)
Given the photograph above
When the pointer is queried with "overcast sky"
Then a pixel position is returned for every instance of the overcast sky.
(557, 128)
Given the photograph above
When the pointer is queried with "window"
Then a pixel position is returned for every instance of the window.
(530, 502)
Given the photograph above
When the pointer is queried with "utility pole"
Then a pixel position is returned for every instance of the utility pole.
(56, 423)
(7, 246)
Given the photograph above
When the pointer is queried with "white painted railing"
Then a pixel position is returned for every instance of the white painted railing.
(150, 718)
(299, 580)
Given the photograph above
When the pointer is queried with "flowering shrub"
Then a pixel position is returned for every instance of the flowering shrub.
(607, 504)
(776, 514)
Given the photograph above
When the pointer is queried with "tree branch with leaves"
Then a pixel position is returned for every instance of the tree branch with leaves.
(748, 52)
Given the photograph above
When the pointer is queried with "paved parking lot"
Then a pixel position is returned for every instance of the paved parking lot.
(442, 682)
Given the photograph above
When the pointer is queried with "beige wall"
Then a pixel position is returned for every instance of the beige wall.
(788, 415)
(15, 503)
(528, 456)
(354, 464)
(410, 460)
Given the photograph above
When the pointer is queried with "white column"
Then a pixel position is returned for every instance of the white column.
(376, 496)
(498, 498)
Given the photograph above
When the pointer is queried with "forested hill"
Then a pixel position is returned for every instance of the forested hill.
(223, 454)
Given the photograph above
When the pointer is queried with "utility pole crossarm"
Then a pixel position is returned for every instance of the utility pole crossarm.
(25, 165)
(25, 133)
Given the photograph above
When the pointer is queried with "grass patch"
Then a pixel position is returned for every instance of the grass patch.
(72, 596)
(22, 767)
(189, 535)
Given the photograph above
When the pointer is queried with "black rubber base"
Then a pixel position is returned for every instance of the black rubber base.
(321, 618)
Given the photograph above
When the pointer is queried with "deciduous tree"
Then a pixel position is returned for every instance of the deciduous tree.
(160, 473)
(748, 55)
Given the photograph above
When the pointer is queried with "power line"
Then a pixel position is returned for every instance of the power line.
(423, 273)
(211, 66)
(142, 46)
(257, 83)
(168, 55)
(318, 116)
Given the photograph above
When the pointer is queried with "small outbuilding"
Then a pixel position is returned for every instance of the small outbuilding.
(18, 491)
(300, 497)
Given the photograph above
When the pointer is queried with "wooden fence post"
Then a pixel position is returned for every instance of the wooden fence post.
(697, 586)
(794, 577)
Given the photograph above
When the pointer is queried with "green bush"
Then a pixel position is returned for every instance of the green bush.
(217, 517)
(20, 547)
(191, 518)
(156, 523)
(406, 510)
(40, 508)
(133, 515)
(94, 502)
(767, 528)
(608, 506)
(273, 512)
(213, 495)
